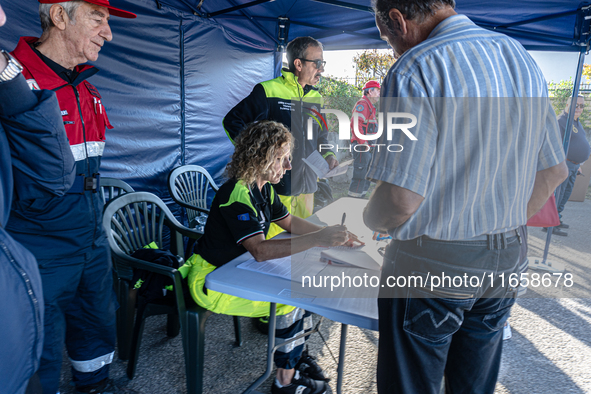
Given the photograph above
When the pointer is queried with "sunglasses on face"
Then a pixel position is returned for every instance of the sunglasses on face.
(318, 63)
(581, 106)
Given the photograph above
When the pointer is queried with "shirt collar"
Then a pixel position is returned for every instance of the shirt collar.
(292, 79)
(450, 23)
(62, 72)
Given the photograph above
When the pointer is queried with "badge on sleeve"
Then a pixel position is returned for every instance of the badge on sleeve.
(33, 85)
(359, 108)
(245, 217)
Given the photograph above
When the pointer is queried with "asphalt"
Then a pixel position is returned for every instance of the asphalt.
(549, 352)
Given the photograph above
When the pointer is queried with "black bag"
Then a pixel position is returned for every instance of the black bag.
(322, 196)
(150, 285)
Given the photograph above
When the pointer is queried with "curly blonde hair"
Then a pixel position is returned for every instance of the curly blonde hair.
(256, 149)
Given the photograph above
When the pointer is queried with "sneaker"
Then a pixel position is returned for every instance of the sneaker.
(556, 231)
(262, 324)
(563, 225)
(507, 331)
(356, 195)
(308, 365)
(300, 384)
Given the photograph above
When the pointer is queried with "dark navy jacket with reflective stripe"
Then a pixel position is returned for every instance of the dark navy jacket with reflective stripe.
(57, 227)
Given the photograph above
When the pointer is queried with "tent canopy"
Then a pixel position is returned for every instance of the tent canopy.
(349, 24)
(169, 76)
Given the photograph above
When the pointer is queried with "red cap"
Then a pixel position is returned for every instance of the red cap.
(103, 3)
(371, 84)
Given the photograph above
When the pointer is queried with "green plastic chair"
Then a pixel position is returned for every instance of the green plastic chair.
(189, 186)
(132, 221)
(112, 188)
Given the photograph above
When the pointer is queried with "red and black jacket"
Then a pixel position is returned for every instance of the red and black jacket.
(56, 227)
(366, 119)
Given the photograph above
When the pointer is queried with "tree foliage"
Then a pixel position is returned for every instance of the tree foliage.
(372, 64)
(337, 87)
(338, 94)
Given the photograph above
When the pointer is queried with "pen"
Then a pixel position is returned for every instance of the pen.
(343, 219)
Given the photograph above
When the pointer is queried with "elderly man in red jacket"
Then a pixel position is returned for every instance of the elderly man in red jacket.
(65, 233)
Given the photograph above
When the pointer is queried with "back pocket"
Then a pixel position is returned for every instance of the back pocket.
(431, 317)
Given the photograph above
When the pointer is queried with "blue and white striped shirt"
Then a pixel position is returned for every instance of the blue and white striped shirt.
(485, 127)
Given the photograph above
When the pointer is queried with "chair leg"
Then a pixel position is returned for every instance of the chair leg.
(125, 318)
(237, 332)
(136, 341)
(194, 340)
(173, 325)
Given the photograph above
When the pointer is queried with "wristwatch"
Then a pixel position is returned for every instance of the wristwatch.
(13, 68)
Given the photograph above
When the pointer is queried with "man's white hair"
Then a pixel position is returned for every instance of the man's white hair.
(69, 6)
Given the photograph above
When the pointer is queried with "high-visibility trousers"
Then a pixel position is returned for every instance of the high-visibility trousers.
(290, 322)
(224, 303)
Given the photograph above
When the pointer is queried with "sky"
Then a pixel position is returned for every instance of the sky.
(555, 66)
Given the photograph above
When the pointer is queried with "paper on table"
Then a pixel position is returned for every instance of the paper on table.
(357, 258)
(319, 165)
(290, 268)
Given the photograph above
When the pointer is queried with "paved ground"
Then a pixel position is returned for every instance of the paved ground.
(550, 350)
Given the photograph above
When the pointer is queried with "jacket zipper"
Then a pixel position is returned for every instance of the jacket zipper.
(87, 161)
(29, 288)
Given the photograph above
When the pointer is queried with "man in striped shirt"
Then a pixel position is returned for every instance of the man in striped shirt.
(485, 155)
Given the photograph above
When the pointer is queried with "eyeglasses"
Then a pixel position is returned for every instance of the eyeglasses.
(318, 63)
(581, 106)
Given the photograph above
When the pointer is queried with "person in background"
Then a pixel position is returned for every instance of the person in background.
(65, 233)
(487, 156)
(272, 100)
(240, 216)
(578, 153)
(364, 115)
(35, 162)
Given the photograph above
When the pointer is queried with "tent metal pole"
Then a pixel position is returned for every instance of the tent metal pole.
(344, 4)
(565, 143)
(251, 18)
(195, 11)
(238, 7)
(182, 91)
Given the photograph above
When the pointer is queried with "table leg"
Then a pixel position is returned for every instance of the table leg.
(341, 367)
(270, 350)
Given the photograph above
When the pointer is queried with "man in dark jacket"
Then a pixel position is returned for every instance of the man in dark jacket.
(65, 233)
(35, 162)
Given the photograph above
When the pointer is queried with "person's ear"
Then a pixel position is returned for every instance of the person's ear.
(298, 64)
(398, 22)
(59, 16)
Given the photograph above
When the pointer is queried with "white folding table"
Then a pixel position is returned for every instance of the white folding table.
(361, 312)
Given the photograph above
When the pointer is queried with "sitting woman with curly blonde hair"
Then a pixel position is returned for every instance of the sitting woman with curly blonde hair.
(239, 219)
